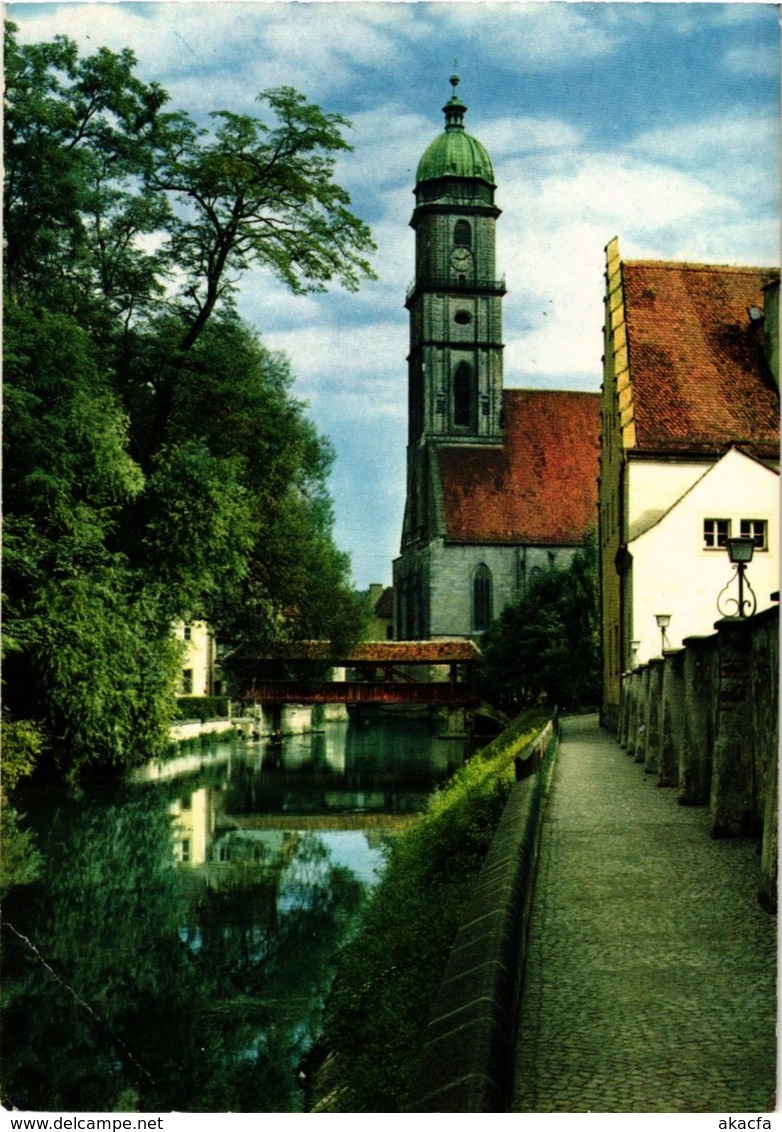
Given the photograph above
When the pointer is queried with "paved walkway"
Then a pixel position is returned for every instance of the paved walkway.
(652, 968)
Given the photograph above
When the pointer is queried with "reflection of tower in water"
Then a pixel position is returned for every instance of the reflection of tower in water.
(369, 764)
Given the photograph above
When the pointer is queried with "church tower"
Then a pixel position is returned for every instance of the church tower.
(455, 305)
(500, 482)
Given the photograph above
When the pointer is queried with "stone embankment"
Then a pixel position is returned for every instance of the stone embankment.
(188, 730)
(465, 1065)
(260, 723)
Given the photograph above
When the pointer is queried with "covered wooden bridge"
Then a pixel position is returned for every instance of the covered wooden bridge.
(372, 672)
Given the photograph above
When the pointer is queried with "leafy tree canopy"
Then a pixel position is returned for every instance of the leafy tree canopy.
(547, 644)
(157, 464)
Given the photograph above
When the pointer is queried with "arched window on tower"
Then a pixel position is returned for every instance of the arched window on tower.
(462, 234)
(481, 598)
(462, 395)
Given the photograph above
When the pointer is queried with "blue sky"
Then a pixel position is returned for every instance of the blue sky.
(658, 123)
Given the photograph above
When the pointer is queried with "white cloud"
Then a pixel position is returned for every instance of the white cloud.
(360, 370)
(526, 134)
(739, 152)
(208, 54)
(532, 35)
(753, 62)
(387, 141)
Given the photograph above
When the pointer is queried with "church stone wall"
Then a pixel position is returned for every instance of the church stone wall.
(433, 583)
(451, 570)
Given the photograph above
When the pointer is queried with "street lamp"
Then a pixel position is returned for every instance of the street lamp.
(663, 621)
(634, 647)
(740, 551)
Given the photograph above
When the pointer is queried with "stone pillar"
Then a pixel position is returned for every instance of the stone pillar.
(457, 724)
(635, 717)
(643, 700)
(621, 723)
(631, 717)
(733, 781)
(698, 735)
(335, 713)
(765, 737)
(296, 719)
(653, 715)
(672, 725)
(769, 848)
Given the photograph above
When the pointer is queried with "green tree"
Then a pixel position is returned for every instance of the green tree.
(547, 644)
(86, 653)
(157, 464)
(20, 861)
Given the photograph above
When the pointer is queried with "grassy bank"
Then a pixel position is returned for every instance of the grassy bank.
(387, 977)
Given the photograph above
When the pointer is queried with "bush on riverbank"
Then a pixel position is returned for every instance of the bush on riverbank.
(202, 707)
(377, 1012)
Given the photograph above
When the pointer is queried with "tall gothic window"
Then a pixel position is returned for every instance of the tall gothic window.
(481, 598)
(462, 395)
(462, 234)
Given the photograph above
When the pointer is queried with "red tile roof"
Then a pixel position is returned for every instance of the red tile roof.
(698, 382)
(441, 651)
(540, 487)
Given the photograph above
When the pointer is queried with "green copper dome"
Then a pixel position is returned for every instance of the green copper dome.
(455, 153)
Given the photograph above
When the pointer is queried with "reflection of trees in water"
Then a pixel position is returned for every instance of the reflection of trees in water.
(273, 926)
(106, 1007)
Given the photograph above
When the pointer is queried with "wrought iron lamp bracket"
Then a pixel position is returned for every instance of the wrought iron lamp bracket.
(742, 605)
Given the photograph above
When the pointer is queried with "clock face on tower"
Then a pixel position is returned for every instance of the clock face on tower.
(461, 258)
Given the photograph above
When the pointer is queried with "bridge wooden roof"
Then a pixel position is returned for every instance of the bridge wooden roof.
(443, 651)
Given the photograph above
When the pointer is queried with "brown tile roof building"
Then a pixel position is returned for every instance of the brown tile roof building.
(690, 372)
(540, 487)
(698, 381)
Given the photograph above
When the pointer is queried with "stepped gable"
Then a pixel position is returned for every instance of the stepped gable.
(540, 487)
(699, 381)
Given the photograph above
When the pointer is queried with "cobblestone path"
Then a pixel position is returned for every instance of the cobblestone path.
(652, 969)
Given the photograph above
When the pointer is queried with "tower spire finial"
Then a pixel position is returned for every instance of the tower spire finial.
(454, 109)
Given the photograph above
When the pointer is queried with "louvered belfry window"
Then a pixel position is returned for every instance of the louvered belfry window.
(462, 395)
(462, 234)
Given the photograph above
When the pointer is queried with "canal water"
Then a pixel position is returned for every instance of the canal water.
(176, 948)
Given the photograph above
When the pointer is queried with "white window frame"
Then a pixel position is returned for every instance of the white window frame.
(757, 530)
(711, 532)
